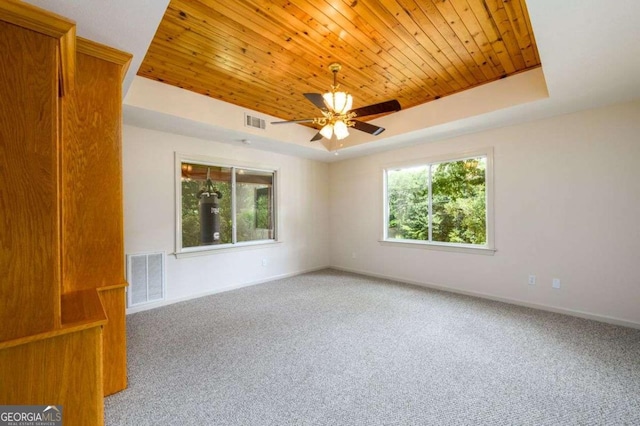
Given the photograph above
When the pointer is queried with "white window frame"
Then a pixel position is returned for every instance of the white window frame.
(486, 249)
(233, 165)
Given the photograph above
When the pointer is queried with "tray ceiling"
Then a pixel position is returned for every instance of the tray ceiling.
(263, 55)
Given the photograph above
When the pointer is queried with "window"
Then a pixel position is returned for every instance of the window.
(441, 203)
(223, 205)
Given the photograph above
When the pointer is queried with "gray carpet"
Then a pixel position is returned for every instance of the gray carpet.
(331, 348)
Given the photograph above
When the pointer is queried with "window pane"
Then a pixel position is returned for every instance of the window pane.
(206, 205)
(254, 205)
(459, 201)
(407, 193)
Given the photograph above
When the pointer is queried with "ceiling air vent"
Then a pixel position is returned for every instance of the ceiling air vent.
(255, 122)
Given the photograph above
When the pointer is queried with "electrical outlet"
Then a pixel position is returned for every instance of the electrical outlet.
(555, 283)
(264, 262)
(532, 279)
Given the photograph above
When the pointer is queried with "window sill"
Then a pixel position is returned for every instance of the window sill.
(227, 248)
(456, 248)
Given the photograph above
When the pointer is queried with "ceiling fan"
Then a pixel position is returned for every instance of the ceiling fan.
(337, 115)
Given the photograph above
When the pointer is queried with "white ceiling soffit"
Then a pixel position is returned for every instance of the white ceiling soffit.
(160, 106)
(151, 104)
(141, 117)
(590, 53)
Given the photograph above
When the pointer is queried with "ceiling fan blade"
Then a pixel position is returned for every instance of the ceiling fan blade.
(317, 137)
(316, 99)
(367, 128)
(302, 120)
(382, 107)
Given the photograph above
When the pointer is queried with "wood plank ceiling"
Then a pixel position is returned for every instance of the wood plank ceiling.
(263, 54)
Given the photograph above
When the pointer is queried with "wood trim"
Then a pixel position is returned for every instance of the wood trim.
(57, 308)
(35, 19)
(100, 377)
(67, 49)
(113, 287)
(114, 339)
(66, 329)
(44, 22)
(105, 53)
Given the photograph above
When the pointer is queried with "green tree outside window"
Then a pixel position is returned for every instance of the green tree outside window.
(458, 202)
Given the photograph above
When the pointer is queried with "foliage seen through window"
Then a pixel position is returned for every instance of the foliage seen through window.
(454, 211)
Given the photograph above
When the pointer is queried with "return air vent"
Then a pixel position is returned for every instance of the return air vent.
(255, 122)
(145, 273)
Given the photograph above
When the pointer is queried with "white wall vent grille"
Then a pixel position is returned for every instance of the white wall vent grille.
(145, 274)
(255, 122)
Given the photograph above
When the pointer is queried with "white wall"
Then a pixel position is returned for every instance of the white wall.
(149, 214)
(567, 204)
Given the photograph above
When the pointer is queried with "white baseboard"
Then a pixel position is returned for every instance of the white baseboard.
(154, 305)
(556, 309)
(572, 312)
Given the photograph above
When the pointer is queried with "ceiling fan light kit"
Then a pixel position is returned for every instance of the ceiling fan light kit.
(340, 129)
(338, 102)
(337, 115)
(327, 131)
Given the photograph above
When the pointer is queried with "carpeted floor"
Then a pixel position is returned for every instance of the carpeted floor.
(331, 348)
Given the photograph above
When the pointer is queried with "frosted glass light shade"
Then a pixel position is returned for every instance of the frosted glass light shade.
(340, 129)
(339, 102)
(327, 131)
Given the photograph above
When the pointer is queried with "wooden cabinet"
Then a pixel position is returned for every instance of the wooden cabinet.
(62, 302)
